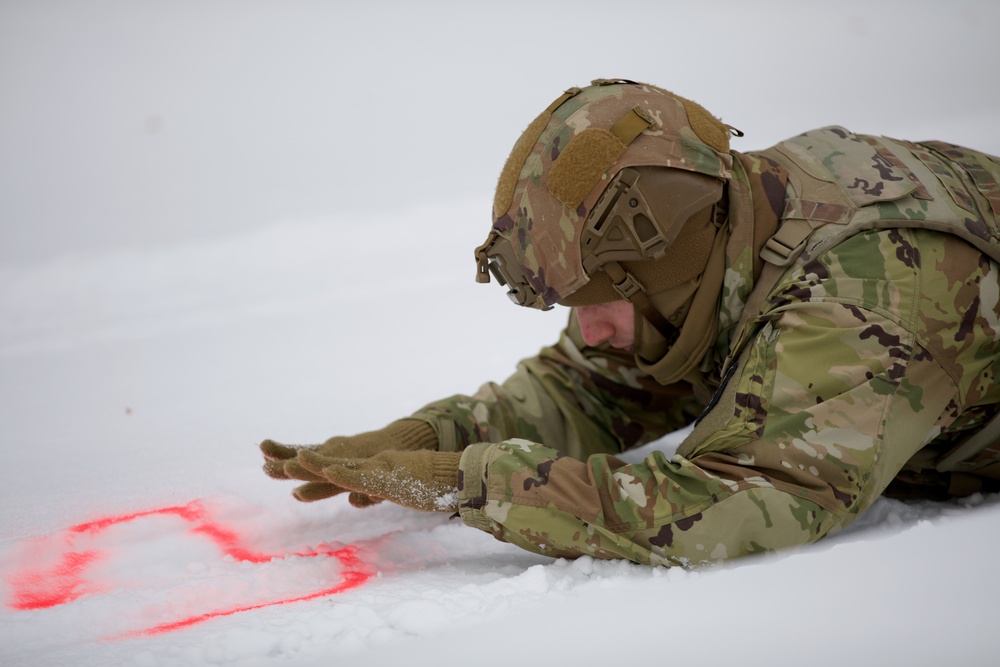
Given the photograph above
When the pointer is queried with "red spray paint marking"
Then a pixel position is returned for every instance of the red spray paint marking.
(48, 588)
(355, 574)
(67, 581)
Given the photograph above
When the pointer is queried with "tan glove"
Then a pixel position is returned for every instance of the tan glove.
(281, 462)
(422, 480)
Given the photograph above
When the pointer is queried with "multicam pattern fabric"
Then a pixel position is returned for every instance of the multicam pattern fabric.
(588, 400)
(876, 351)
(544, 231)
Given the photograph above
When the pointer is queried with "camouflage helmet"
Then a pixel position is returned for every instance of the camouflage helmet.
(601, 181)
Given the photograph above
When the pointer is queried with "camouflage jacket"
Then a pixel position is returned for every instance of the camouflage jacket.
(873, 352)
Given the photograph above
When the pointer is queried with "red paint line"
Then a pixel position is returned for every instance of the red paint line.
(66, 581)
(228, 543)
(42, 589)
(191, 512)
(352, 579)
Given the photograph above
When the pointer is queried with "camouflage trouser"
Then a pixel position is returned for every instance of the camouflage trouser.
(866, 355)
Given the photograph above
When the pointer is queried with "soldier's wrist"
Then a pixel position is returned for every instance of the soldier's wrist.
(412, 434)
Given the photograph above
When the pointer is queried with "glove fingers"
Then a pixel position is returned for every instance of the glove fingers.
(344, 448)
(373, 477)
(313, 491)
(275, 451)
(295, 470)
(353, 474)
(275, 470)
(325, 466)
(421, 480)
(290, 470)
(360, 500)
(316, 463)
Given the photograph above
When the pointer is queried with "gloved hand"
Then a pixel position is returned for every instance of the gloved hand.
(404, 435)
(422, 480)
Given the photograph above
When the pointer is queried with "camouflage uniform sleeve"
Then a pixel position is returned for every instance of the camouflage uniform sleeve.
(840, 386)
(576, 399)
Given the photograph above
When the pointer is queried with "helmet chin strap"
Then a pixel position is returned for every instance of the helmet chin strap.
(697, 333)
(631, 289)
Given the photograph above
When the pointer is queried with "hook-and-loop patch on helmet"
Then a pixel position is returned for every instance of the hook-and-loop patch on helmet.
(566, 159)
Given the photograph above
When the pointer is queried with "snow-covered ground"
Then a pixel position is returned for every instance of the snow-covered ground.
(141, 382)
(139, 370)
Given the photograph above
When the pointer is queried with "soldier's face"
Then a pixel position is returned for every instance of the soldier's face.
(612, 322)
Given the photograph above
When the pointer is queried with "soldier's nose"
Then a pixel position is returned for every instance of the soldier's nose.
(594, 327)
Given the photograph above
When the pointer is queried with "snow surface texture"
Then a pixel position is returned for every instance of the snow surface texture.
(136, 377)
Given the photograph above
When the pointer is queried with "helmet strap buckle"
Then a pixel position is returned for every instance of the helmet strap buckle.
(632, 290)
(627, 286)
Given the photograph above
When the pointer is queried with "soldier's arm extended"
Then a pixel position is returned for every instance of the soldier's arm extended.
(578, 400)
(817, 419)
(575, 399)
(861, 361)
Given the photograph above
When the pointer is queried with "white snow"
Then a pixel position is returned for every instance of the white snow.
(156, 327)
